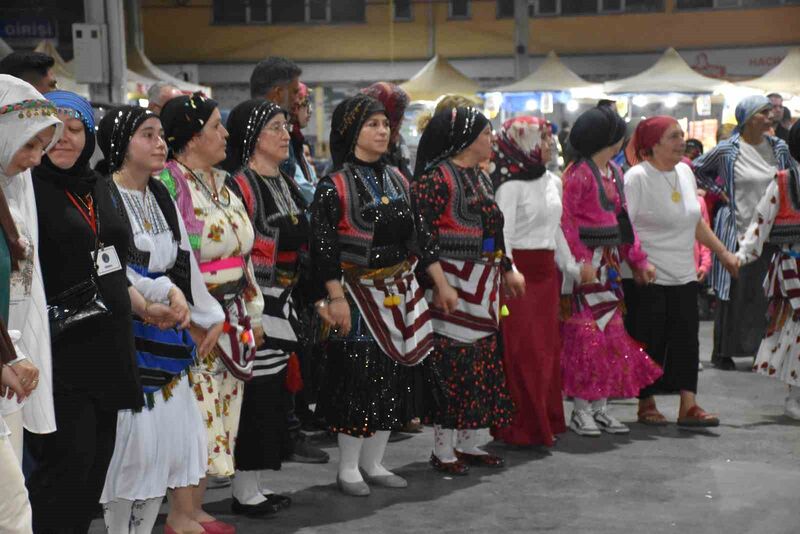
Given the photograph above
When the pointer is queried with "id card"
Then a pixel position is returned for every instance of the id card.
(107, 260)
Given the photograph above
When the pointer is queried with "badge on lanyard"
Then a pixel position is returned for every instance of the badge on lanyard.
(107, 260)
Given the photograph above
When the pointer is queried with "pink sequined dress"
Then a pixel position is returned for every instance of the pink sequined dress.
(598, 358)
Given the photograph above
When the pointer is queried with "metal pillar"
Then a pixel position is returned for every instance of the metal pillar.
(110, 13)
(522, 64)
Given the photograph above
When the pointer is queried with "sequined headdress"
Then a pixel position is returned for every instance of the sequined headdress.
(115, 131)
(245, 123)
(449, 132)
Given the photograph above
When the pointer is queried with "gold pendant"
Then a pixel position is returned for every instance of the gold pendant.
(676, 196)
(385, 200)
(147, 226)
(293, 218)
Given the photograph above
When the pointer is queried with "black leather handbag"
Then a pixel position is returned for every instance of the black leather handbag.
(77, 305)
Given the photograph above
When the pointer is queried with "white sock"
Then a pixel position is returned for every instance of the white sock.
(467, 441)
(349, 453)
(245, 488)
(581, 404)
(372, 452)
(117, 516)
(144, 515)
(598, 405)
(443, 444)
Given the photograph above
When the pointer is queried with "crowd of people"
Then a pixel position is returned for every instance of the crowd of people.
(169, 315)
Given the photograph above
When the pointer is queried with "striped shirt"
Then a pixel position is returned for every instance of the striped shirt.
(720, 161)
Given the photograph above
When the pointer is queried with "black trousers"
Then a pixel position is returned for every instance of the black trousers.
(665, 320)
(71, 464)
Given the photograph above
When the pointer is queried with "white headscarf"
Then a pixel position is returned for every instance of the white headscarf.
(24, 112)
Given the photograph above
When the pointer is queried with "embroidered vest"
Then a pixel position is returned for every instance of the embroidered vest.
(460, 229)
(617, 229)
(355, 233)
(786, 228)
(139, 260)
(266, 257)
(177, 184)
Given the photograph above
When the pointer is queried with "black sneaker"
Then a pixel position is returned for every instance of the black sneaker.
(305, 453)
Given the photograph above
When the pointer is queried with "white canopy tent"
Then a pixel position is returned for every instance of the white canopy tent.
(782, 78)
(438, 77)
(670, 74)
(141, 66)
(551, 76)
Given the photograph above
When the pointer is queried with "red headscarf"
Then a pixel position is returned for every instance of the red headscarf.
(394, 99)
(648, 133)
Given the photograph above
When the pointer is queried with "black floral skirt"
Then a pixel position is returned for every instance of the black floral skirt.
(363, 390)
(473, 377)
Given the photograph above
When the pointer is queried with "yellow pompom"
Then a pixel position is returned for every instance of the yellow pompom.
(396, 300)
(504, 311)
(388, 301)
(498, 254)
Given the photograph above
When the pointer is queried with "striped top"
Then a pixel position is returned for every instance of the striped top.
(720, 161)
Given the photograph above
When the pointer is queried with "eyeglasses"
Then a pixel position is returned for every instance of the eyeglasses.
(278, 128)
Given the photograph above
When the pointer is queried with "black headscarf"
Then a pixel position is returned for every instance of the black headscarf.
(595, 130)
(80, 178)
(794, 141)
(245, 123)
(183, 117)
(449, 132)
(114, 133)
(346, 123)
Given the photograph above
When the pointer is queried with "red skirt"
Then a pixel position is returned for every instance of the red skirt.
(532, 350)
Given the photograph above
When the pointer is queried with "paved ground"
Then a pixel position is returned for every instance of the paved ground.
(743, 477)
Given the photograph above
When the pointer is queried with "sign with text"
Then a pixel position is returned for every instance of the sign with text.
(28, 28)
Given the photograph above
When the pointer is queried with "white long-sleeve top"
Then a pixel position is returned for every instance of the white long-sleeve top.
(757, 232)
(532, 213)
(158, 242)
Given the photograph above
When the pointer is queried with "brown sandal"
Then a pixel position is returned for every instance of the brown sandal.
(697, 417)
(652, 417)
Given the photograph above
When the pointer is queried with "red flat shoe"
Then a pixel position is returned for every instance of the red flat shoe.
(457, 468)
(218, 527)
(485, 460)
(696, 417)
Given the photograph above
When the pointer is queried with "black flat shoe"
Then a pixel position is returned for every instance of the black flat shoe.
(457, 468)
(724, 364)
(253, 510)
(282, 502)
(485, 460)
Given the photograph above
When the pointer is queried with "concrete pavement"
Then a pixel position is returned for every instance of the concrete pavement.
(743, 477)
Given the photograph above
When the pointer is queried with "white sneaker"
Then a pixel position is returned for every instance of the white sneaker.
(609, 423)
(582, 423)
(792, 408)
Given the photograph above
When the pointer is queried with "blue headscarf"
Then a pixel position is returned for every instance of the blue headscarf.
(80, 178)
(79, 108)
(748, 107)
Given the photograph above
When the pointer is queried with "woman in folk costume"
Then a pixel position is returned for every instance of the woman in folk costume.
(26, 119)
(395, 100)
(28, 128)
(163, 446)
(259, 142)
(746, 163)
(530, 198)
(454, 202)
(598, 358)
(364, 250)
(221, 237)
(776, 220)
